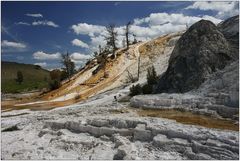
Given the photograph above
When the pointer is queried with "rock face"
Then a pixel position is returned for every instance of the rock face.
(230, 30)
(200, 51)
(226, 82)
(219, 93)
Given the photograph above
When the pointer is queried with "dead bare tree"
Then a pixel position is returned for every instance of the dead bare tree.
(130, 77)
(128, 25)
(111, 37)
(69, 65)
(123, 43)
(138, 67)
(100, 49)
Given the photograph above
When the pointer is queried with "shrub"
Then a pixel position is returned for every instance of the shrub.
(37, 67)
(112, 56)
(147, 89)
(77, 97)
(135, 90)
(64, 75)
(88, 62)
(54, 84)
(151, 76)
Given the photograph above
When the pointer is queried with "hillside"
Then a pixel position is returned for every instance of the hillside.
(199, 121)
(34, 77)
(86, 84)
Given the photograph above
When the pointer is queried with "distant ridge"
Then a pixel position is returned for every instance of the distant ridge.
(34, 77)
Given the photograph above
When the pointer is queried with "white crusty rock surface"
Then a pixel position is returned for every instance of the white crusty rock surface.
(217, 96)
(95, 132)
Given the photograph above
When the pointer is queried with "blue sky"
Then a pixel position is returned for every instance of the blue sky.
(39, 32)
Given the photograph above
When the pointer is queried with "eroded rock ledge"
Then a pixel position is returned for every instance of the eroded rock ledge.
(189, 102)
(189, 142)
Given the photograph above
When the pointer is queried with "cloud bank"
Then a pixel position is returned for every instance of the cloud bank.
(145, 28)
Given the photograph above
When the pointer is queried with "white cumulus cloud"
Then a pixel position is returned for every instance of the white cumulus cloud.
(40, 55)
(9, 44)
(87, 29)
(155, 19)
(45, 23)
(79, 57)
(34, 14)
(79, 43)
(157, 24)
(224, 9)
(146, 28)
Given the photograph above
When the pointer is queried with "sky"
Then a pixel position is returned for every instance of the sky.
(39, 32)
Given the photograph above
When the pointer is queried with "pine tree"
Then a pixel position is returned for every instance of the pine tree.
(151, 76)
(111, 37)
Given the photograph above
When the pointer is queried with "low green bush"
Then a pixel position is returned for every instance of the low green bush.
(147, 89)
(135, 90)
(54, 84)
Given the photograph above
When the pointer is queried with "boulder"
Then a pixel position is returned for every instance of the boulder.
(200, 51)
(140, 133)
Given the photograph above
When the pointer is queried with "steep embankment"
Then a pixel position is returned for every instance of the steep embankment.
(88, 83)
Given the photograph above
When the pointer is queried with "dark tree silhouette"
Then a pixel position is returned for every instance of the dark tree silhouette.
(128, 25)
(19, 77)
(69, 65)
(111, 37)
(151, 76)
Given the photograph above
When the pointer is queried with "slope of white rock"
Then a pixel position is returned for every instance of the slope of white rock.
(217, 96)
(94, 132)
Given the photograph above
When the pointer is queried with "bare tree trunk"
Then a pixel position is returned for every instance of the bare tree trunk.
(138, 66)
(127, 33)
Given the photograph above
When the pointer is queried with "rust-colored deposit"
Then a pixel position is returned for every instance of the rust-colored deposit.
(190, 118)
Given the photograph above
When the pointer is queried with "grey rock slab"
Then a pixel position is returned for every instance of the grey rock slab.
(140, 133)
(161, 140)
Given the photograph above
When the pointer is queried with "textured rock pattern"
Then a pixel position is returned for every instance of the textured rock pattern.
(163, 134)
(200, 51)
(230, 30)
(92, 133)
(187, 102)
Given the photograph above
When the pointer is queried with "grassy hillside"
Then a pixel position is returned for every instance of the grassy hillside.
(34, 77)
